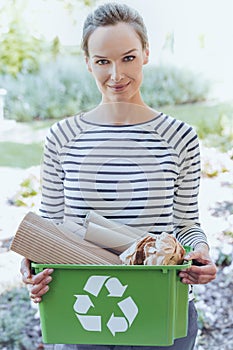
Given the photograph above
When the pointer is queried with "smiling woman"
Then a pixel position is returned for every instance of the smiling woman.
(115, 44)
(123, 159)
(118, 70)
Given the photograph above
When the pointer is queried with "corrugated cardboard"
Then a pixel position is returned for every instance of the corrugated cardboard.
(41, 241)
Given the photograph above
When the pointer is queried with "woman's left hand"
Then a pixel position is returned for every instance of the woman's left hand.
(202, 274)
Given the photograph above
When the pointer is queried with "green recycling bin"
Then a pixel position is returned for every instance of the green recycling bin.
(115, 305)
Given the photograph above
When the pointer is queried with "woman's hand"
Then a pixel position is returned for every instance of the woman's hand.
(38, 284)
(206, 270)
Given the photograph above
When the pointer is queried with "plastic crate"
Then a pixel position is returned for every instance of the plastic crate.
(114, 305)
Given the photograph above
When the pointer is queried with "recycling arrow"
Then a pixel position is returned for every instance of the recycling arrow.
(117, 324)
(90, 323)
(82, 304)
(94, 284)
(129, 309)
(115, 288)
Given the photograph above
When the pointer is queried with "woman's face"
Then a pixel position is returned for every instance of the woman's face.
(115, 59)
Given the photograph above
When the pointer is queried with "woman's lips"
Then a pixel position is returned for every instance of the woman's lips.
(119, 87)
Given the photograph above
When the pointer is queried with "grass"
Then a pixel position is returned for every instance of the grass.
(17, 155)
(205, 117)
(42, 124)
(213, 123)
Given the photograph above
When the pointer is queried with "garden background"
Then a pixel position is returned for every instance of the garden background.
(43, 79)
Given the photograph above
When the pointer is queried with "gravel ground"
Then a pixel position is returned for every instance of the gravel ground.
(214, 301)
(215, 307)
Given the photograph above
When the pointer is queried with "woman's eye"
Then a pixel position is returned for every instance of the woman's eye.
(129, 58)
(102, 62)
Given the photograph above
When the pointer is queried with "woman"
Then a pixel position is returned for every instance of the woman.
(123, 159)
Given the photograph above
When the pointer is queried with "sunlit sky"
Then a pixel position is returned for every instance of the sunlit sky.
(202, 29)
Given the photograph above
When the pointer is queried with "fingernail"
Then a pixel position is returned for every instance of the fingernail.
(48, 279)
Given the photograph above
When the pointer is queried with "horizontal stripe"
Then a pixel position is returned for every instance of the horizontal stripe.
(103, 148)
(117, 181)
(101, 172)
(137, 156)
(117, 164)
(118, 190)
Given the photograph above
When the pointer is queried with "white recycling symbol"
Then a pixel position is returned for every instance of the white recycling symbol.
(115, 324)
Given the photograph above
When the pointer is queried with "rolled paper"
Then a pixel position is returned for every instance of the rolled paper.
(107, 238)
(41, 241)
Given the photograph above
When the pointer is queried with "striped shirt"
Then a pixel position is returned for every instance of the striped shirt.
(143, 175)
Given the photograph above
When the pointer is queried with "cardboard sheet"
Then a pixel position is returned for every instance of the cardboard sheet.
(41, 241)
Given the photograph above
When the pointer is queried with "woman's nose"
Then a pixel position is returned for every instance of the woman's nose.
(116, 74)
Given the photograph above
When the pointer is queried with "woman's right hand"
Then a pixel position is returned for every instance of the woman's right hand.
(38, 284)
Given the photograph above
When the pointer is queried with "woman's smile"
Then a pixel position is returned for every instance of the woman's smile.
(119, 87)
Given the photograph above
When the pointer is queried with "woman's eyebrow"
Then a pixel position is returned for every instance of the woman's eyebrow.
(98, 56)
(126, 53)
(130, 51)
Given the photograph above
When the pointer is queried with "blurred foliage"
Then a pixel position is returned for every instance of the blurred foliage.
(60, 89)
(22, 49)
(19, 51)
(71, 5)
(224, 259)
(26, 195)
(18, 327)
(169, 85)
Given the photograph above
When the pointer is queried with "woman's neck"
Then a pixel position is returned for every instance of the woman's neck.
(120, 113)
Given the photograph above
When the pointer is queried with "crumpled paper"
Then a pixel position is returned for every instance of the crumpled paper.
(163, 249)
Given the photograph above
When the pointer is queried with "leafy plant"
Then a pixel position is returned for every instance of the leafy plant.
(19, 329)
(20, 51)
(27, 193)
(224, 259)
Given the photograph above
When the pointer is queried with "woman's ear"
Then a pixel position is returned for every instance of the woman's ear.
(87, 60)
(146, 55)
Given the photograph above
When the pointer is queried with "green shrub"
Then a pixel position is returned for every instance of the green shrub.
(18, 327)
(61, 89)
(27, 194)
(168, 85)
(21, 51)
(64, 87)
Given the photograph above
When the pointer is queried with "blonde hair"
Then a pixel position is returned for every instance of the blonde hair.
(111, 14)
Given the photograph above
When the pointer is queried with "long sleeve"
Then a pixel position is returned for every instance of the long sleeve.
(186, 217)
(52, 176)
